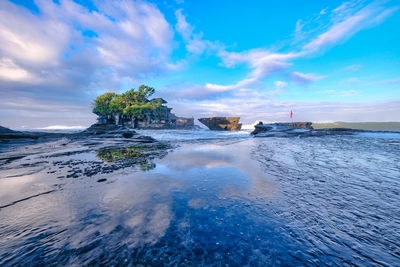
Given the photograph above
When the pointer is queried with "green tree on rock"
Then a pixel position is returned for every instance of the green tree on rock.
(131, 103)
(102, 104)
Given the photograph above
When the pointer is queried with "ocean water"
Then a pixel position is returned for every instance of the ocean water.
(213, 198)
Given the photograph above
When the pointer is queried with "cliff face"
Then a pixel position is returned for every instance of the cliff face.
(222, 123)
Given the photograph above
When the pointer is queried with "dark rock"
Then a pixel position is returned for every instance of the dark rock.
(4, 130)
(108, 130)
(6, 133)
(222, 123)
(101, 180)
(127, 134)
(145, 139)
(260, 127)
(302, 129)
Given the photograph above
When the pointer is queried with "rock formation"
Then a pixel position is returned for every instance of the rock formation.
(105, 130)
(6, 133)
(260, 127)
(222, 123)
(160, 118)
(108, 130)
(301, 129)
(135, 109)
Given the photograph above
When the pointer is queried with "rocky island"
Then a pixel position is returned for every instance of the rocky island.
(222, 123)
(134, 109)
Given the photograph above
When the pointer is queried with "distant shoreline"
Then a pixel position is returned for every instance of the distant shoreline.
(370, 126)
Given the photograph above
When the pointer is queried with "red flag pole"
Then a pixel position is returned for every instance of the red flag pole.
(291, 116)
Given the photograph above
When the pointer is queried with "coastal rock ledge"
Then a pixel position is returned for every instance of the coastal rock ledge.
(300, 129)
(222, 123)
(280, 126)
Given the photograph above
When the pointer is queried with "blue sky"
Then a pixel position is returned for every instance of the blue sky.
(325, 60)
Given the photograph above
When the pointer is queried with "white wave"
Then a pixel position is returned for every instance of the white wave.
(62, 127)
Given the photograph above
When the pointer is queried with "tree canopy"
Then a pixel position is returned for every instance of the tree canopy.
(132, 102)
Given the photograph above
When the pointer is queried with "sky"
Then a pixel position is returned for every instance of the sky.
(325, 60)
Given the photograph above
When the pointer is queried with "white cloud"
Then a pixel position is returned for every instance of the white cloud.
(29, 39)
(323, 11)
(262, 63)
(194, 42)
(12, 72)
(344, 6)
(130, 39)
(280, 84)
(304, 78)
(298, 32)
(346, 25)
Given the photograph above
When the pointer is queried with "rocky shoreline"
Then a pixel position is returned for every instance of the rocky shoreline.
(301, 129)
(114, 148)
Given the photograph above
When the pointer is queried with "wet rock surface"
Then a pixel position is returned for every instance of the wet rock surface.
(65, 155)
(107, 130)
(300, 129)
(68, 158)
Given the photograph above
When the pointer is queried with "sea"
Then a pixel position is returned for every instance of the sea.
(210, 198)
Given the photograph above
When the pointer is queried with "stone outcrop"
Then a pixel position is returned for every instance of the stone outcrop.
(6, 133)
(108, 130)
(260, 127)
(222, 123)
(301, 129)
(4, 130)
(97, 130)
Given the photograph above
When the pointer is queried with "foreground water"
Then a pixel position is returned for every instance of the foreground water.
(206, 198)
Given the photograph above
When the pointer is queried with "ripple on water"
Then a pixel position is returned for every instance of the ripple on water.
(341, 194)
